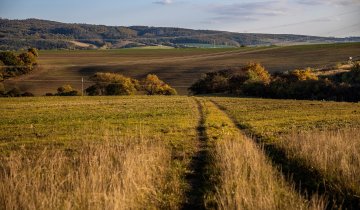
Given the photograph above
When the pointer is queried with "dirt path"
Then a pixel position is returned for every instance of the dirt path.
(196, 178)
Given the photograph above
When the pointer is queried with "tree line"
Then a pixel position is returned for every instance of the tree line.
(113, 84)
(255, 81)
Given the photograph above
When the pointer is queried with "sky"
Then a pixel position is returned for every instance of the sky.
(330, 18)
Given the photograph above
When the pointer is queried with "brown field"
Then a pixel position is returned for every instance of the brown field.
(179, 67)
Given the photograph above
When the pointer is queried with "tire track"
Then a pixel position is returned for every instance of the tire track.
(196, 178)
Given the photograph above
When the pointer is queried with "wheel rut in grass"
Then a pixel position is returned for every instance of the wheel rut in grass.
(196, 178)
(306, 180)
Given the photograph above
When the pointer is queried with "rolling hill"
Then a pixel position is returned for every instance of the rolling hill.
(44, 34)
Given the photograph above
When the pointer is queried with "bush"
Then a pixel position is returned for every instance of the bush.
(231, 80)
(15, 92)
(256, 73)
(27, 94)
(352, 77)
(254, 80)
(302, 75)
(67, 90)
(16, 65)
(112, 84)
(212, 82)
(152, 85)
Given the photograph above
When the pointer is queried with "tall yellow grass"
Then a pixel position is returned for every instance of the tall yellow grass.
(335, 153)
(248, 180)
(125, 173)
(244, 177)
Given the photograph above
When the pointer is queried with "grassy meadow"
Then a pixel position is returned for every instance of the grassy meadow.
(178, 67)
(176, 152)
(101, 153)
(316, 142)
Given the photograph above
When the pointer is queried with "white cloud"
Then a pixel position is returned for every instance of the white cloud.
(248, 11)
(164, 2)
(329, 2)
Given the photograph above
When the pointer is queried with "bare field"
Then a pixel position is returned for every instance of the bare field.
(178, 67)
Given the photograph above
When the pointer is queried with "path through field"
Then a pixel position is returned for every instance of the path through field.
(216, 128)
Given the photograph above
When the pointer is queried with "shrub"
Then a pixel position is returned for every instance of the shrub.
(27, 94)
(9, 58)
(17, 64)
(212, 82)
(302, 75)
(112, 84)
(152, 85)
(33, 51)
(257, 73)
(67, 90)
(27, 58)
(352, 77)
(15, 92)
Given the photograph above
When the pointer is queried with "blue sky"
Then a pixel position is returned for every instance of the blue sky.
(310, 17)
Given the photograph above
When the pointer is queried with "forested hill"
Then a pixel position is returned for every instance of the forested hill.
(44, 34)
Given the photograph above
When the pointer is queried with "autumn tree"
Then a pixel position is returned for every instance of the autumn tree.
(14, 65)
(112, 84)
(257, 73)
(304, 74)
(152, 85)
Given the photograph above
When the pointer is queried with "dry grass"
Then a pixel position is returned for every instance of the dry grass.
(245, 178)
(118, 173)
(248, 181)
(335, 153)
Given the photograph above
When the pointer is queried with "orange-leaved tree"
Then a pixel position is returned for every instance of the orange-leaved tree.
(152, 85)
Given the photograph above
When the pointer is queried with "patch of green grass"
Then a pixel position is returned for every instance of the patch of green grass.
(65, 120)
(270, 118)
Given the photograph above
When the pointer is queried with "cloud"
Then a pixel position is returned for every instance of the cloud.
(328, 2)
(248, 11)
(164, 2)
